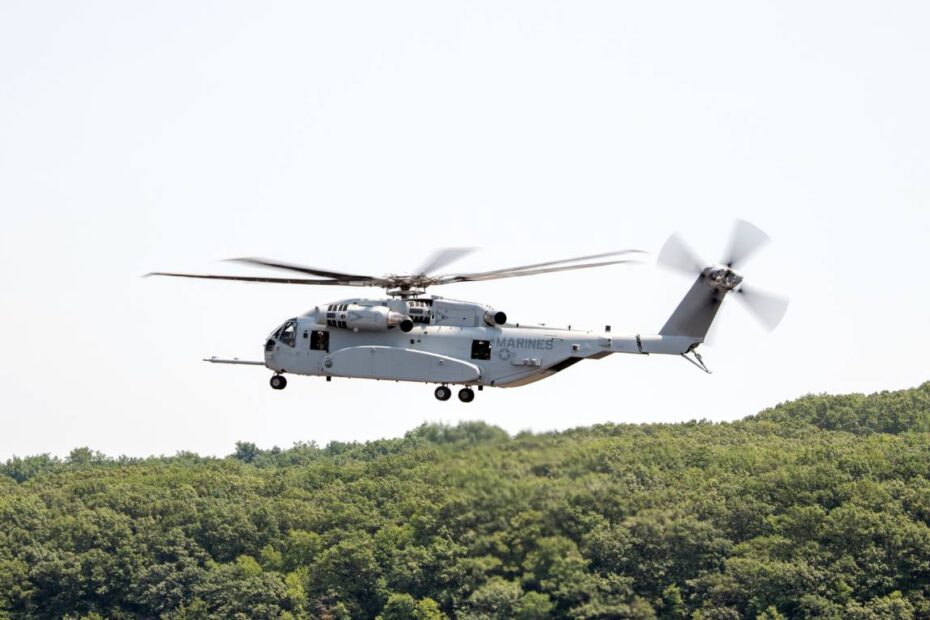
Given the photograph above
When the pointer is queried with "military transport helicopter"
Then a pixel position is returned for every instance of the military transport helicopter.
(410, 336)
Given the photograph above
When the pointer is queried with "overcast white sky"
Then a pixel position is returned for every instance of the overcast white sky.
(358, 136)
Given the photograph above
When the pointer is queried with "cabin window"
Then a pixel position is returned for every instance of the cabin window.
(481, 349)
(319, 341)
(289, 333)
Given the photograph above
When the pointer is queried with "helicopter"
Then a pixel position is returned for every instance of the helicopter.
(411, 336)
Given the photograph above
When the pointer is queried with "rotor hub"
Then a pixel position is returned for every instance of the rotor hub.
(406, 292)
(723, 278)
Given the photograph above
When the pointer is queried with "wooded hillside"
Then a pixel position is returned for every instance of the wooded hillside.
(815, 508)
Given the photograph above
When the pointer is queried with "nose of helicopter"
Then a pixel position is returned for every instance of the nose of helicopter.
(273, 340)
(269, 351)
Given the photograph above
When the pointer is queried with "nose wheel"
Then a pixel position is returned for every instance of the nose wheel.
(278, 382)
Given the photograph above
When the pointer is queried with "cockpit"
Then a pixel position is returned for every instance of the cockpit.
(286, 334)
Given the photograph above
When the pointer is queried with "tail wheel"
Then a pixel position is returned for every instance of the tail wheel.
(443, 393)
(278, 382)
(466, 395)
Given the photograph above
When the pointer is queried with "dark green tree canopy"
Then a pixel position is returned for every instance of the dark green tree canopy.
(816, 508)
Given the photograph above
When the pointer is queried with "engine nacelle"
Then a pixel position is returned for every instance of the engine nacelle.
(494, 317)
(363, 318)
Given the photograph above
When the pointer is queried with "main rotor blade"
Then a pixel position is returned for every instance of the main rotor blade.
(480, 277)
(443, 257)
(482, 274)
(676, 254)
(767, 308)
(746, 239)
(374, 282)
(264, 262)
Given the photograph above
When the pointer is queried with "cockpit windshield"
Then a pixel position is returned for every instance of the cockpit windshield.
(288, 333)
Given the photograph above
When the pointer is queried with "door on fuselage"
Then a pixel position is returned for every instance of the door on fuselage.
(317, 347)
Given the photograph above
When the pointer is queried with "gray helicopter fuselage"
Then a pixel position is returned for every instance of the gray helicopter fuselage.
(449, 342)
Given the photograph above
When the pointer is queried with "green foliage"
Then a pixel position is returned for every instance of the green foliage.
(673, 605)
(246, 451)
(815, 508)
(85, 456)
(886, 412)
(22, 469)
(464, 432)
(405, 607)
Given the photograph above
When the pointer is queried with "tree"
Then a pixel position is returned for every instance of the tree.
(785, 514)
(246, 451)
(404, 607)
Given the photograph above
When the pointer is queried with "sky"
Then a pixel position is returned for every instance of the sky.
(359, 137)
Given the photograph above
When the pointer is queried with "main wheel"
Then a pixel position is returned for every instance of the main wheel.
(278, 382)
(443, 393)
(466, 395)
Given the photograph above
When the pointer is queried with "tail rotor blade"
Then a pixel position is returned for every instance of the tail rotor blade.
(676, 254)
(746, 240)
(767, 308)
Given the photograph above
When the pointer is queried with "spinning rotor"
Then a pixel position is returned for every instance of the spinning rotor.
(407, 286)
(722, 278)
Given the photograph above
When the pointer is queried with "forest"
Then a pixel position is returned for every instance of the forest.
(815, 508)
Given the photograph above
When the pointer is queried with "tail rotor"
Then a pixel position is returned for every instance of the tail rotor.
(697, 311)
(745, 240)
(768, 309)
(678, 255)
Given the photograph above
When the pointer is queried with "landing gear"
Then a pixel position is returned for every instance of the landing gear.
(466, 395)
(278, 382)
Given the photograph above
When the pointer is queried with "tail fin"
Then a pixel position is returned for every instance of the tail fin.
(696, 312)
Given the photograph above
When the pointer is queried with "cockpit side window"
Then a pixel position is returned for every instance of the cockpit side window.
(289, 333)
